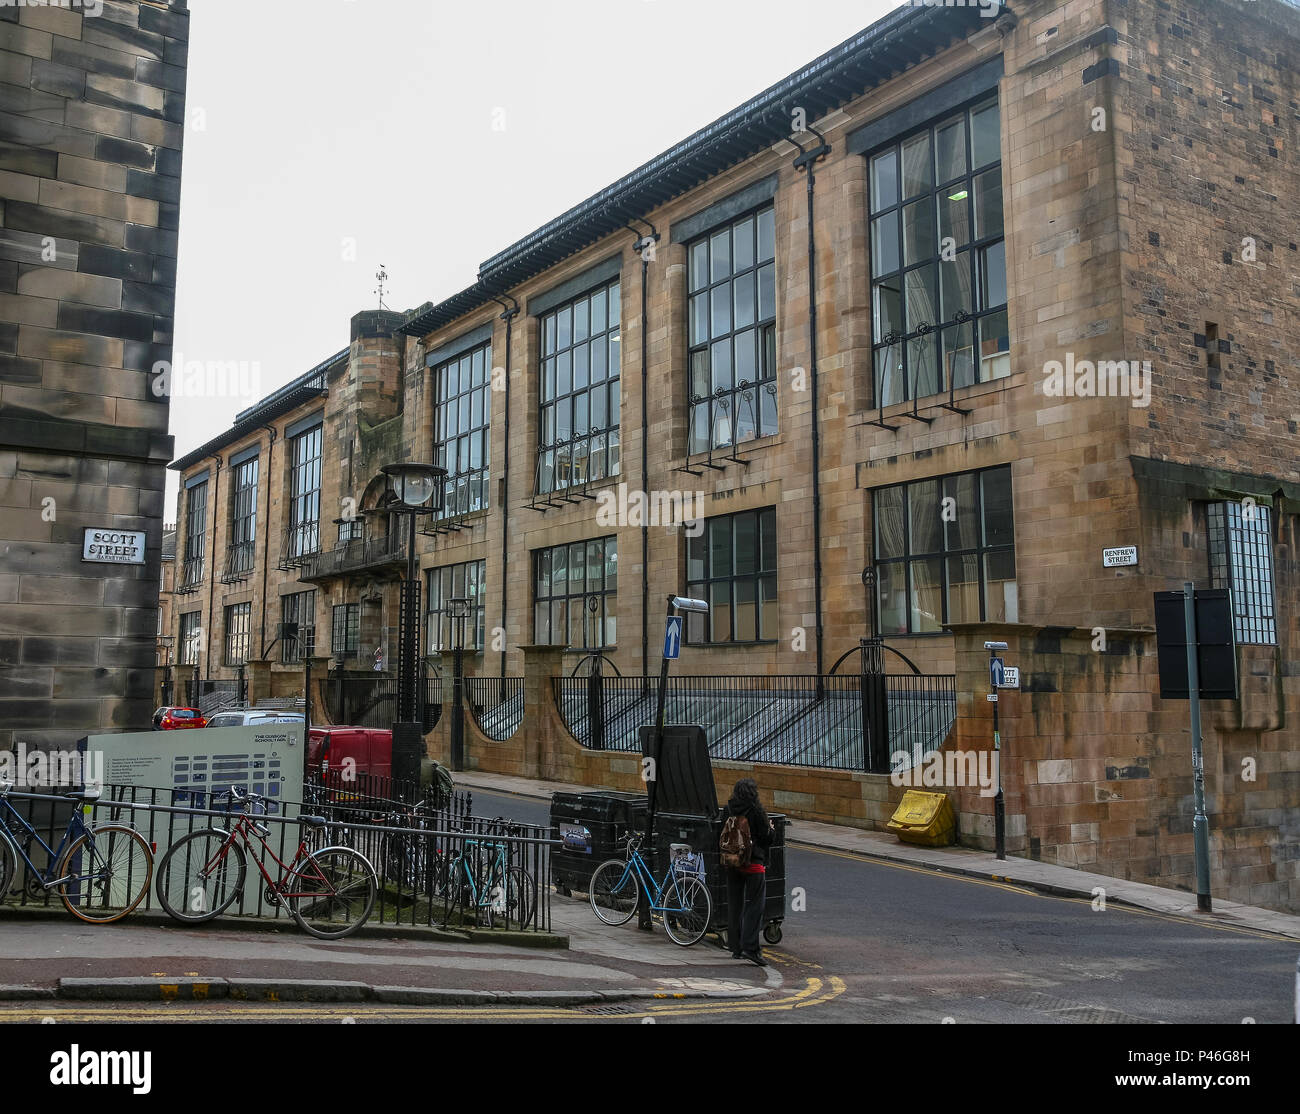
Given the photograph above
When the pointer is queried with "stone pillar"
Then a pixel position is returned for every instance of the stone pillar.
(316, 670)
(258, 677)
(183, 675)
(541, 663)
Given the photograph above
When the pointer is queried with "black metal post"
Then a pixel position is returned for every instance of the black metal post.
(458, 700)
(1000, 801)
(595, 704)
(243, 684)
(408, 731)
(875, 707)
(652, 775)
(1200, 823)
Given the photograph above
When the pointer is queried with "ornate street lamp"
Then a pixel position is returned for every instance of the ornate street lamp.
(417, 489)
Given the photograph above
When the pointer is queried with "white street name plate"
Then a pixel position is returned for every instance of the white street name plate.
(1121, 555)
(1010, 677)
(113, 547)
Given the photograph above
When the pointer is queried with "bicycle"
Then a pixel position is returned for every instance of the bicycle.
(682, 900)
(479, 875)
(411, 860)
(101, 872)
(329, 892)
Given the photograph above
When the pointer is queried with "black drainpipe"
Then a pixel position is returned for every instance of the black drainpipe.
(508, 317)
(266, 523)
(212, 575)
(640, 246)
(805, 161)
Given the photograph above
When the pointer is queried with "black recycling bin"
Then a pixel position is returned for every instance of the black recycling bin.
(589, 827)
(701, 834)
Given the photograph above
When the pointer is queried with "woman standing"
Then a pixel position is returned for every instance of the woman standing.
(746, 869)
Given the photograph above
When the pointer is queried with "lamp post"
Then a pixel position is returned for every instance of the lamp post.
(458, 610)
(417, 489)
(1000, 801)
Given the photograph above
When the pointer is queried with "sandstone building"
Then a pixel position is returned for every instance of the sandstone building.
(92, 117)
(910, 338)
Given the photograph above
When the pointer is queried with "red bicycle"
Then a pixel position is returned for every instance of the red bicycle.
(329, 892)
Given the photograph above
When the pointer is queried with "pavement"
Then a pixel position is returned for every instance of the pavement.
(1062, 881)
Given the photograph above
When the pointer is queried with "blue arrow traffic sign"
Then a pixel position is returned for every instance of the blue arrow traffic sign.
(997, 673)
(673, 637)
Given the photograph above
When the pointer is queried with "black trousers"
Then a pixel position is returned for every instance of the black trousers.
(746, 894)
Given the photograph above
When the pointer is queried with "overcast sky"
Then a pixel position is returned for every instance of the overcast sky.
(330, 136)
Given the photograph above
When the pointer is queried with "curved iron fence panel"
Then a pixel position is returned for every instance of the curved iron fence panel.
(497, 705)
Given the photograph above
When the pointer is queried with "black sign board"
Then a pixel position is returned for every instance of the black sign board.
(684, 771)
(1216, 651)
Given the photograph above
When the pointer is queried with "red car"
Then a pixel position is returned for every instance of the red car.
(176, 719)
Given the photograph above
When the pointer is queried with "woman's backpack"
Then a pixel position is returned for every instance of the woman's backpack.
(735, 843)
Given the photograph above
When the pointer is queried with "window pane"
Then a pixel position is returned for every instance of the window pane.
(700, 265)
(884, 244)
(891, 597)
(954, 280)
(950, 149)
(769, 623)
(746, 362)
(926, 596)
(563, 327)
(958, 355)
(598, 312)
(598, 359)
(988, 204)
(746, 610)
(995, 346)
(580, 367)
(743, 300)
(719, 547)
(923, 517)
(923, 365)
(720, 255)
(889, 374)
(564, 373)
(1001, 594)
(766, 235)
(581, 318)
(961, 512)
(918, 231)
(746, 543)
(916, 165)
(767, 292)
(720, 311)
(720, 360)
(699, 319)
(986, 142)
(999, 527)
(964, 589)
(954, 215)
(921, 288)
(889, 522)
(884, 180)
(767, 559)
(695, 558)
(887, 309)
(720, 611)
(701, 383)
(742, 244)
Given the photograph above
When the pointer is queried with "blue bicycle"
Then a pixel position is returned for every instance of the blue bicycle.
(100, 871)
(681, 899)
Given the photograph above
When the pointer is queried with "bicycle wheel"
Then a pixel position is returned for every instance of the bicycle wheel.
(8, 865)
(614, 891)
(512, 901)
(107, 870)
(335, 893)
(195, 881)
(687, 909)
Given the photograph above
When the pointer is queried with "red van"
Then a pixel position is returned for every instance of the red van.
(337, 748)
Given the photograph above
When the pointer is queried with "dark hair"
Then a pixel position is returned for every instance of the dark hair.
(746, 791)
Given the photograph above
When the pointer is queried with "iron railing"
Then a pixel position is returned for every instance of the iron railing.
(372, 701)
(789, 720)
(300, 545)
(412, 846)
(497, 705)
(354, 555)
(240, 559)
(213, 696)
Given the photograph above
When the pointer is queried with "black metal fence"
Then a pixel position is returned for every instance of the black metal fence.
(213, 695)
(437, 863)
(868, 722)
(372, 701)
(497, 704)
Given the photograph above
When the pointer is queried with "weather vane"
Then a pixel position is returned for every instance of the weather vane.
(382, 276)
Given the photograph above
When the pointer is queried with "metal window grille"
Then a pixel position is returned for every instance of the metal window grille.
(243, 517)
(196, 516)
(238, 620)
(191, 637)
(1241, 559)
(461, 434)
(732, 564)
(579, 420)
(938, 258)
(304, 493)
(299, 608)
(945, 552)
(575, 590)
(731, 333)
(346, 629)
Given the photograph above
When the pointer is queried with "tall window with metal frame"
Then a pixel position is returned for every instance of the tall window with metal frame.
(461, 434)
(945, 552)
(732, 565)
(731, 285)
(575, 594)
(465, 581)
(304, 493)
(238, 622)
(299, 608)
(579, 432)
(938, 258)
(346, 630)
(191, 637)
(243, 518)
(196, 534)
(1241, 559)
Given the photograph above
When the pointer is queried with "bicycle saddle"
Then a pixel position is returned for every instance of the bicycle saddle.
(314, 821)
(82, 794)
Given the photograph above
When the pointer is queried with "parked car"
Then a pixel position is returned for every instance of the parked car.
(249, 716)
(176, 719)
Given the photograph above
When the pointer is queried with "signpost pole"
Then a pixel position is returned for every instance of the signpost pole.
(999, 802)
(1200, 824)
